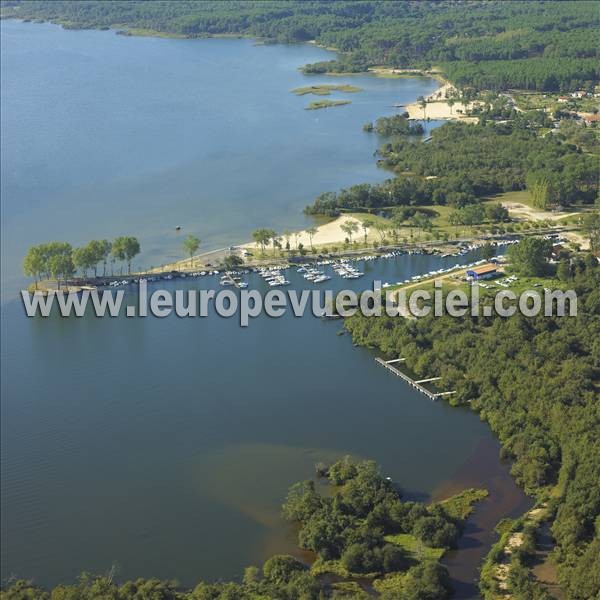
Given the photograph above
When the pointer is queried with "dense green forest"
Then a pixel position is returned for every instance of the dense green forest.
(464, 162)
(360, 528)
(536, 382)
(395, 125)
(491, 44)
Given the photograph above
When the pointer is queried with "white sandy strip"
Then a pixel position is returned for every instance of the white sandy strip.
(441, 110)
(528, 213)
(330, 233)
(438, 108)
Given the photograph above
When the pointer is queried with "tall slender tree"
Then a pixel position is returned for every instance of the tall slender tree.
(191, 245)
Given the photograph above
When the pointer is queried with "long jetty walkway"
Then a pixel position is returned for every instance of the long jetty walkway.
(389, 364)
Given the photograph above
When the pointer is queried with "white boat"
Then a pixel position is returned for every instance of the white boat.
(321, 278)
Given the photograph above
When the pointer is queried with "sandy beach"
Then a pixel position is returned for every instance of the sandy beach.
(438, 108)
(329, 233)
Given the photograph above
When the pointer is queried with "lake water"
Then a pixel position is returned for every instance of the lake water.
(166, 446)
(106, 135)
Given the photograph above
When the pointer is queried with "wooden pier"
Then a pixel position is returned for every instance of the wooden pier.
(388, 364)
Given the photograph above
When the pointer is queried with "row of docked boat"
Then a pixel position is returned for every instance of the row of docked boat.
(466, 248)
(347, 271)
(232, 278)
(312, 274)
(273, 277)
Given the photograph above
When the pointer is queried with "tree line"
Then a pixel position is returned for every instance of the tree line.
(59, 260)
(493, 45)
(265, 236)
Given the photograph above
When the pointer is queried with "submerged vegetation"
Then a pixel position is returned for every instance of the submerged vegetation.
(325, 89)
(361, 529)
(326, 104)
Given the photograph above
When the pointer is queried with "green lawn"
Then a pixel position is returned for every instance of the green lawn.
(414, 547)
(521, 196)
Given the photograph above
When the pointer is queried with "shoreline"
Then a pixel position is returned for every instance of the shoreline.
(437, 106)
(450, 247)
(329, 238)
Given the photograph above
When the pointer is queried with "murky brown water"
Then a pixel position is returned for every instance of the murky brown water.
(482, 469)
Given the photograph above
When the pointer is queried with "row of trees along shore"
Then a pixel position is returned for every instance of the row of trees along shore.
(59, 260)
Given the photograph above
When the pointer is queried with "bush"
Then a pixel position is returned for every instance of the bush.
(281, 567)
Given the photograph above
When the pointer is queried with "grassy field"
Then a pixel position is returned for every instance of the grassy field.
(326, 89)
(326, 104)
(139, 32)
(440, 220)
(414, 547)
(521, 196)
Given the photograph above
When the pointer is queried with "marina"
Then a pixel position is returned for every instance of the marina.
(316, 271)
